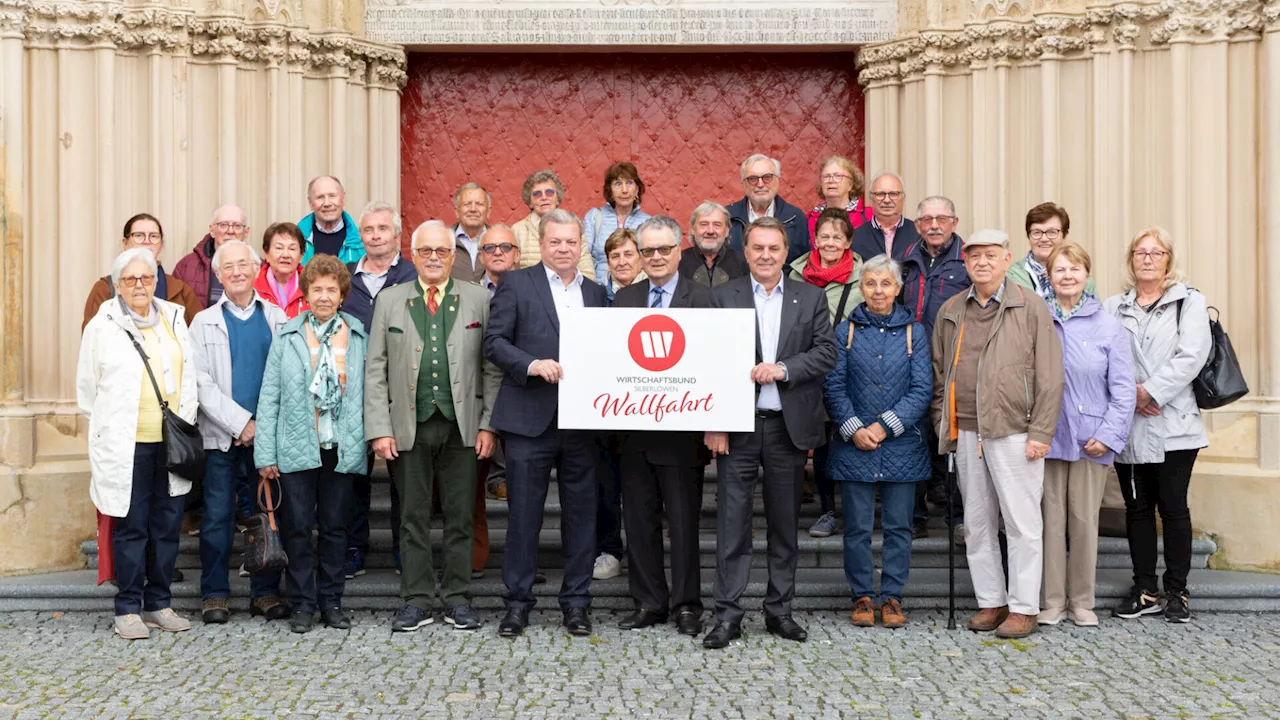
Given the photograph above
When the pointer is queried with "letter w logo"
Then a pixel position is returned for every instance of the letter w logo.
(656, 344)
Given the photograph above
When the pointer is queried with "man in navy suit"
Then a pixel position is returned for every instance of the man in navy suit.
(523, 339)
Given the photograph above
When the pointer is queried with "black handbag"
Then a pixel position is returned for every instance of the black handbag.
(263, 549)
(1220, 382)
(183, 446)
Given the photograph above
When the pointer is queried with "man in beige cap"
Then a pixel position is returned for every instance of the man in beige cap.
(997, 366)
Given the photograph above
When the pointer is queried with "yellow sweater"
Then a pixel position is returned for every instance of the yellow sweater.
(150, 419)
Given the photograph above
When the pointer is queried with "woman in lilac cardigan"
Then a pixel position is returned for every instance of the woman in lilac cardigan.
(1097, 409)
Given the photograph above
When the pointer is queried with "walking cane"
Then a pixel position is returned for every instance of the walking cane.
(951, 543)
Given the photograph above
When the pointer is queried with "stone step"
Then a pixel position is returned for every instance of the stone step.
(828, 552)
(816, 589)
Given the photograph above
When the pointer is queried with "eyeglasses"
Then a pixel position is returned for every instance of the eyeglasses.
(146, 238)
(1051, 233)
(1150, 254)
(427, 252)
(493, 248)
(835, 176)
(240, 267)
(887, 195)
(663, 250)
(757, 179)
(133, 280)
(939, 219)
(233, 227)
(550, 192)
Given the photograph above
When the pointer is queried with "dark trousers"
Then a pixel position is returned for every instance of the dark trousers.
(496, 470)
(438, 460)
(609, 498)
(896, 502)
(769, 445)
(358, 519)
(145, 541)
(529, 464)
(647, 490)
(225, 472)
(320, 495)
(1149, 487)
(823, 483)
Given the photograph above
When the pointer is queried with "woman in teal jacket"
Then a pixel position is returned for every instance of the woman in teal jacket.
(310, 436)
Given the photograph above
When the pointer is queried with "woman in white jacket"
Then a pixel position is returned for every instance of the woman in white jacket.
(129, 480)
(1168, 326)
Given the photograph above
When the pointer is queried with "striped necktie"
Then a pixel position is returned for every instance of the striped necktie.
(657, 298)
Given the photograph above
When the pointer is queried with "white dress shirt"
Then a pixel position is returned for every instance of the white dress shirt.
(752, 216)
(562, 296)
(769, 321)
(241, 313)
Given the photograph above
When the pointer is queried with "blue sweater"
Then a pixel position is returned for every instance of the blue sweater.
(250, 342)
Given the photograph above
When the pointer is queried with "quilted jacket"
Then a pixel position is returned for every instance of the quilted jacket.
(876, 381)
(286, 421)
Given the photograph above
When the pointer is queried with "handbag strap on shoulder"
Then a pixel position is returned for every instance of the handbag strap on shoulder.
(146, 363)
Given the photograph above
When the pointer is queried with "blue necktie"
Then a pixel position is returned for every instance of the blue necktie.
(657, 298)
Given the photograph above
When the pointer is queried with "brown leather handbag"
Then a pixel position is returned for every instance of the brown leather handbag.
(263, 548)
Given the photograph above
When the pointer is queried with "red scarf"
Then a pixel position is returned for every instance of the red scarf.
(815, 274)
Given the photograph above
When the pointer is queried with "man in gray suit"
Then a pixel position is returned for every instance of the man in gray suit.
(429, 393)
(795, 350)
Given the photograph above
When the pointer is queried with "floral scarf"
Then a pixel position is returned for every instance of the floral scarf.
(1064, 315)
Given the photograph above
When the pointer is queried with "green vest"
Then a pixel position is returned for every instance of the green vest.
(433, 391)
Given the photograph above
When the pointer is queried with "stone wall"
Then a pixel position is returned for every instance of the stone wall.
(1130, 115)
(170, 107)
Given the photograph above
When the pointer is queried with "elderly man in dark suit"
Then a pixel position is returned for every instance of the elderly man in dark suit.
(660, 469)
(795, 350)
(523, 339)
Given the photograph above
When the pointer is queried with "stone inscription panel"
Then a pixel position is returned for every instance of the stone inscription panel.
(630, 22)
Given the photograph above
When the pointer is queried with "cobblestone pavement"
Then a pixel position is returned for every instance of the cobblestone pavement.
(71, 666)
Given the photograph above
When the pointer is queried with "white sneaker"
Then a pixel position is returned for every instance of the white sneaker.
(166, 620)
(607, 566)
(243, 572)
(1049, 617)
(131, 627)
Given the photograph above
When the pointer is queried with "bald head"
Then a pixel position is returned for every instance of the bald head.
(229, 223)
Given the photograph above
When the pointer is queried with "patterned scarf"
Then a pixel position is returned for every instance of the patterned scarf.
(815, 274)
(1064, 315)
(1040, 276)
(326, 387)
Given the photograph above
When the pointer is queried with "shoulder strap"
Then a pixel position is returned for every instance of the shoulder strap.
(844, 298)
(164, 404)
(111, 288)
(849, 343)
(909, 341)
(266, 503)
(1179, 319)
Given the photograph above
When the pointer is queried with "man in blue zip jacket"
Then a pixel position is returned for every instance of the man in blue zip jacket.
(329, 229)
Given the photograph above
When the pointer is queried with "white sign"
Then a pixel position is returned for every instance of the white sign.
(647, 369)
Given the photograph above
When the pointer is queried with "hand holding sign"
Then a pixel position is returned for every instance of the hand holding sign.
(548, 370)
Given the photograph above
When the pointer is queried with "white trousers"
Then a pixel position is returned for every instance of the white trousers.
(1002, 484)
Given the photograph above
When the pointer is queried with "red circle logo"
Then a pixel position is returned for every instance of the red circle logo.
(656, 343)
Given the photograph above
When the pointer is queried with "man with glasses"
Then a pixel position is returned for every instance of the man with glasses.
(761, 175)
(1047, 227)
(196, 269)
(888, 233)
(329, 229)
(472, 204)
(933, 271)
(709, 260)
(381, 268)
(659, 470)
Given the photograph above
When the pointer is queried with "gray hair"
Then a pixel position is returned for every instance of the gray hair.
(542, 176)
(659, 222)
(244, 217)
(457, 197)
(123, 260)
(777, 166)
(380, 206)
(883, 262)
(432, 225)
(895, 176)
(937, 199)
(706, 208)
(559, 216)
(216, 263)
(311, 185)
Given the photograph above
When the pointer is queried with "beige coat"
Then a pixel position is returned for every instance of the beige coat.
(526, 232)
(395, 349)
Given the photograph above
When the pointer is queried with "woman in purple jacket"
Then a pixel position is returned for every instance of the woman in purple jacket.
(1097, 409)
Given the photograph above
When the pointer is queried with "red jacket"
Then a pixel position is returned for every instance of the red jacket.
(292, 307)
(194, 267)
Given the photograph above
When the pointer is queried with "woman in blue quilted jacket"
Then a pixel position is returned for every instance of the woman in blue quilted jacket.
(877, 397)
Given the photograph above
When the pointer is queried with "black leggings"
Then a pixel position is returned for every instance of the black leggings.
(1149, 487)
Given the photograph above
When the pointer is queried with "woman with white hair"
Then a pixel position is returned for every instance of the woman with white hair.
(134, 360)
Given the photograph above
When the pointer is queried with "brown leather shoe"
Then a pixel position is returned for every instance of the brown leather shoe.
(269, 606)
(1017, 625)
(864, 613)
(989, 619)
(891, 614)
(497, 491)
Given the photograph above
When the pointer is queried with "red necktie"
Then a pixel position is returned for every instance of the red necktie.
(432, 303)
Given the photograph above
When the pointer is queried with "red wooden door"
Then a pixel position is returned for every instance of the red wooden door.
(687, 121)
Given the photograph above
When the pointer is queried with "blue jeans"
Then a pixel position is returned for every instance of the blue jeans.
(145, 541)
(225, 473)
(897, 501)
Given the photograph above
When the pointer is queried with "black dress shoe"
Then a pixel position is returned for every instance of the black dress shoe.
(641, 619)
(539, 578)
(721, 634)
(577, 621)
(301, 622)
(177, 575)
(689, 622)
(333, 617)
(514, 622)
(785, 628)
